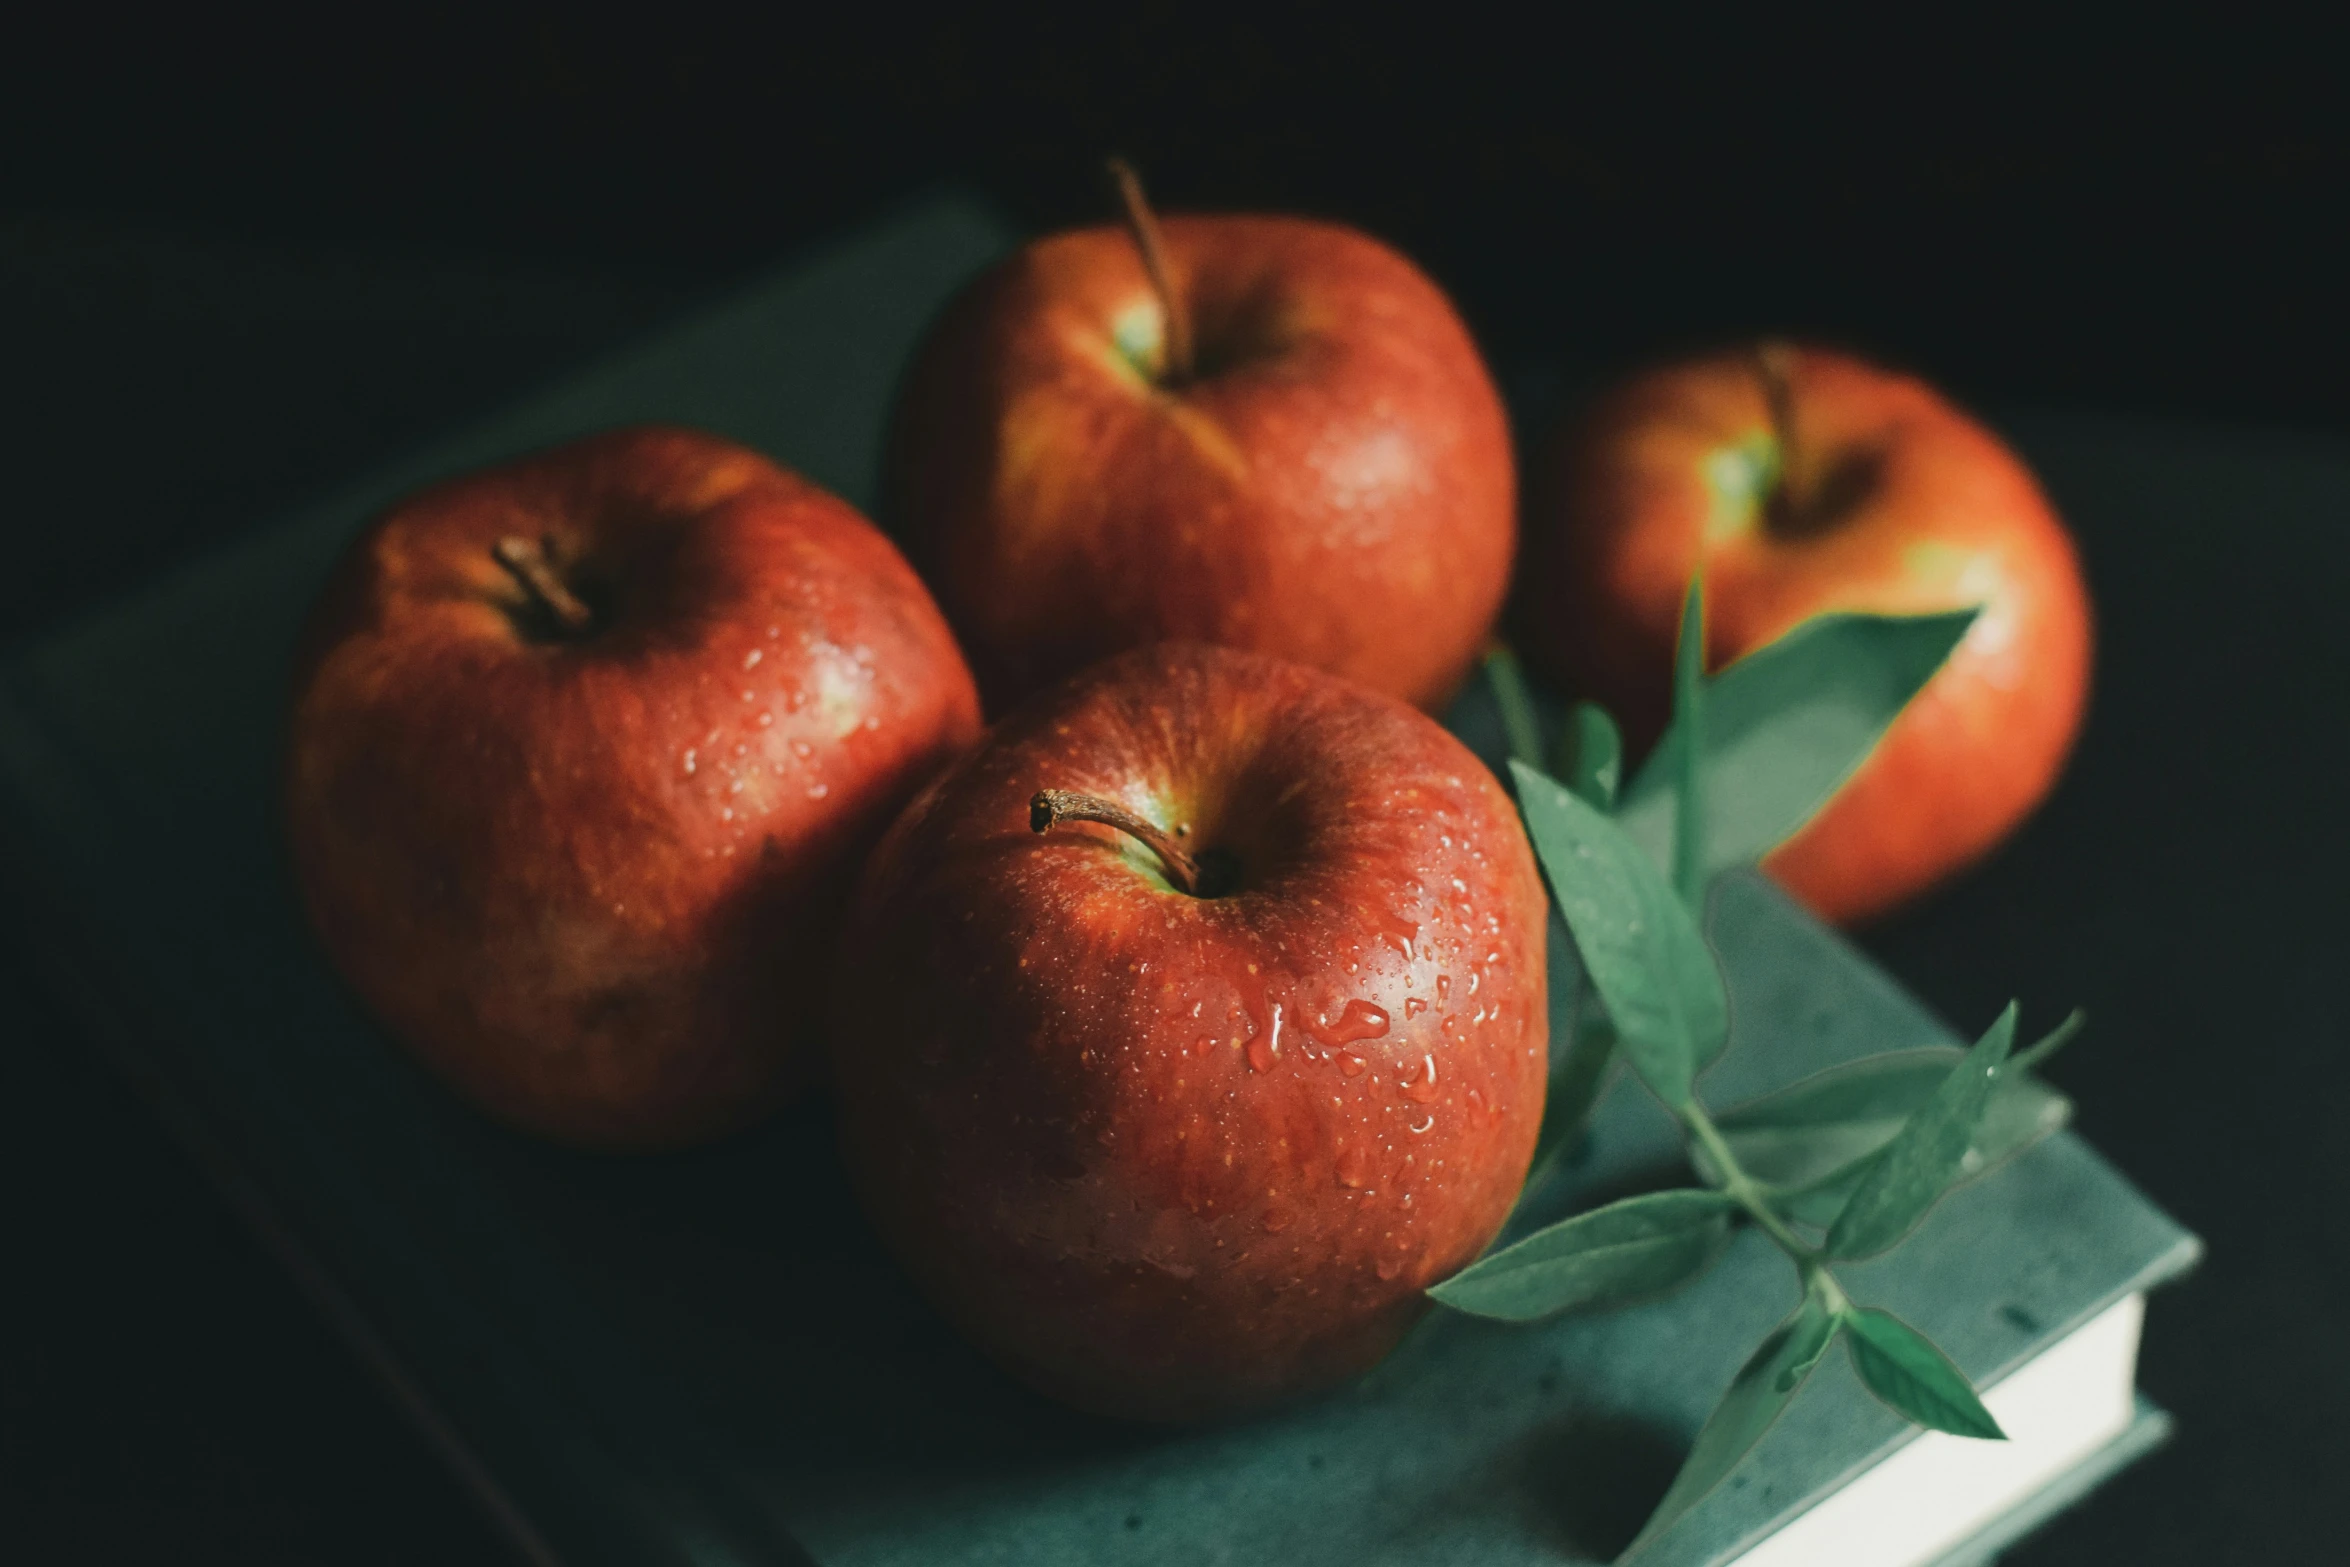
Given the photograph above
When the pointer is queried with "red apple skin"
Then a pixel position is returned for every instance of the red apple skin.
(593, 884)
(1168, 1157)
(1903, 505)
(1334, 486)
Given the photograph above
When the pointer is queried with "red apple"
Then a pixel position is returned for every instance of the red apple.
(584, 751)
(1291, 446)
(1806, 481)
(1176, 1107)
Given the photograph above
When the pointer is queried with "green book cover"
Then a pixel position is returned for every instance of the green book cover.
(705, 1358)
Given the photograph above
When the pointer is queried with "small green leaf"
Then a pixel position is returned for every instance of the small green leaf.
(1515, 703)
(1757, 1396)
(2046, 1045)
(1786, 725)
(1641, 947)
(2023, 1110)
(1625, 1251)
(1902, 1367)
(1687, 738)
(1590, 755)
(1822, 1131)
(1927, 1156)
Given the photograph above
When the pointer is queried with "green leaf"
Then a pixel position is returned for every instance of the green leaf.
(1927, 1156)
(1902, 1367)
(1625, 1251)
(1687, 738)
(1809, 1142)
(1590, 755)
(1641, 947)
(1515, 702)
(1786, 725)
(1757, 1396)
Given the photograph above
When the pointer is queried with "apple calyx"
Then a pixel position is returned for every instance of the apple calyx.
(534, 571)
(1144, 225)
(1048, 808)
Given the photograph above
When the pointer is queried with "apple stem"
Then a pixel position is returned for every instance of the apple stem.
(1774, 363)
(1145, 226)
(529, 566)
(1051, 807)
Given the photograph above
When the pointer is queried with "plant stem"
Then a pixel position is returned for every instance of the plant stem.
(1817, 1279)
(1773, 365)
(1689, 726)
(1051, 807)
(1742, 1188)
(1515, 703)
(1144, 225)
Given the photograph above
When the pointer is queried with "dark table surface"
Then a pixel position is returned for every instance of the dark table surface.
(267, 283)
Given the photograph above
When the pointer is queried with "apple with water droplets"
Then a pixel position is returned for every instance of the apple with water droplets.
(583, 754)
(1190, 1027)
(1263, 432)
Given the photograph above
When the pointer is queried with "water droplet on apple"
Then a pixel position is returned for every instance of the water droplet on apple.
(1354, 1166)
(818, 791)
(765, 719)
(802, 749)
(1389, 1267)
(1351, 1064)
(1359, 1020)
(749, 695)
(1413, 1006)
(1419, 1082)
(751, 659)
(726, 814)
(1444, 987)
(689, 762)
(1264, 1049)
(1423, 1126)
(1202, 1045)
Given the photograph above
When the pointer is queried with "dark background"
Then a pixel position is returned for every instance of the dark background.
(239, 263)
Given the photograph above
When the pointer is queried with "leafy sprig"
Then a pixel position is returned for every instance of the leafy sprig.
(1838, 1167)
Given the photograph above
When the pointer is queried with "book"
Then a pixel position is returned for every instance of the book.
(706, 1358)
